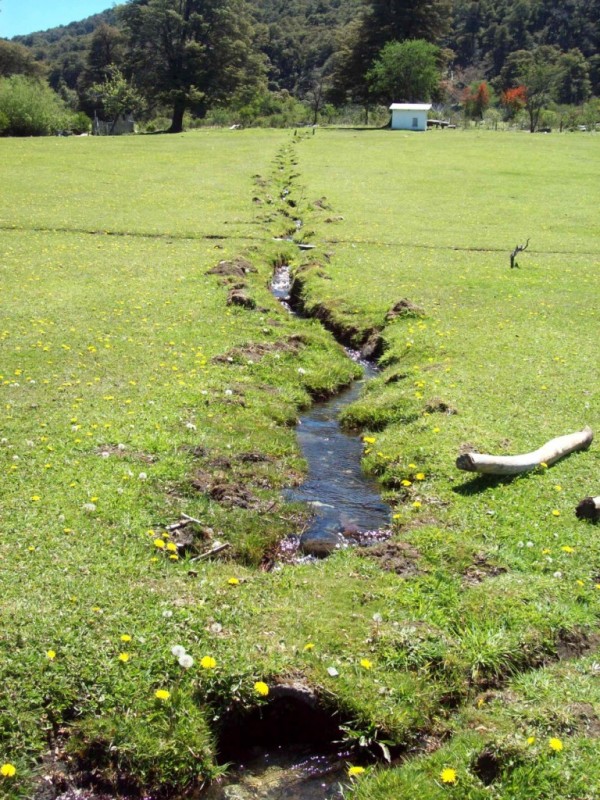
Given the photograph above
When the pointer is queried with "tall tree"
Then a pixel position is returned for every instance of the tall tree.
(380, 22)
(18, 60)
(191, 52)
(406, 71)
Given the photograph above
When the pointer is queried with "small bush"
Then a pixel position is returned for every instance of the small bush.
(29, 107)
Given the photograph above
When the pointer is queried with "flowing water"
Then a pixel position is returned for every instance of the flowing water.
(346, 502)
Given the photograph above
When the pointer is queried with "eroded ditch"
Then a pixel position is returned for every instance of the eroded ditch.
(346, 504)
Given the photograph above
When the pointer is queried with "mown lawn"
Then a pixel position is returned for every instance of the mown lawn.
(130, 389)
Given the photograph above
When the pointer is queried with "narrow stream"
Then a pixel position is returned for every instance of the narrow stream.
(346, 503)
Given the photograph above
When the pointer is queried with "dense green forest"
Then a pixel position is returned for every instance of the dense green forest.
(262, 56)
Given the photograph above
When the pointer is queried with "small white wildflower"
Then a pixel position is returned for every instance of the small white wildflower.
(4, 440)
(301, 371)
(167, 614)
(203, 391)
(377, 618)
(228, 392)
(121, 447)
(558, 574)
(89, 508)
(105, 454)
(120, 490)
(520, 544)
(186, 661)
(142, 476)
(178, 650)
(15, 458)
(29, 443)
(529, 544)
(190, 426)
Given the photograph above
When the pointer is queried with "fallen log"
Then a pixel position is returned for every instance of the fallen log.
(589, 508)
(514, 465)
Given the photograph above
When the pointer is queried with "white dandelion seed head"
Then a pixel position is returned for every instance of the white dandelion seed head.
(178, 650)
(186, 661)
(142, 476)
(89, 508)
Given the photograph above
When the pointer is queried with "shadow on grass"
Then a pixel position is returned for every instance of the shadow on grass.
(482, 483)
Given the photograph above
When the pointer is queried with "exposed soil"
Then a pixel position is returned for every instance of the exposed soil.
(239, 268)
(120, 451)
(438, 406)
(480, 570)
(224, 491)
(394, 556)
(255, 351)
(574, 644)
(404, 308)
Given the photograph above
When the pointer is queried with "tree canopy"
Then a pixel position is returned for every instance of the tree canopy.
(406, 71)
(191, 52)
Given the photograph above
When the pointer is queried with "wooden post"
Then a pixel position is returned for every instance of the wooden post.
(589, 508)
(513, 465)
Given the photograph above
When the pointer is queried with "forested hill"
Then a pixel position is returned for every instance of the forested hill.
(300, 36)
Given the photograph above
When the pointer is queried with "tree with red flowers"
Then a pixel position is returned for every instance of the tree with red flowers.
(476, 100)
(514, 100)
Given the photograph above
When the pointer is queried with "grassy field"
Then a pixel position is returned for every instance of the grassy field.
(132, 394)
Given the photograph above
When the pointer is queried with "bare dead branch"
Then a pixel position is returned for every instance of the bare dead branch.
(513, 465)
(518, 249)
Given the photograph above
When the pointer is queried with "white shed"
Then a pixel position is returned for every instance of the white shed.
(409, 116)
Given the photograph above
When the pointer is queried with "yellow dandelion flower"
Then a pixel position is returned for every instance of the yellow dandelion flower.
(420, 476)
(309, 646)
(174, 557)
(417, 504)
(555, 744)
(567, 549)
(261, 688)
(406, 482)
(208, 662)
(369, 439)
(172, 547)
(124, 657)
(50, 654)
(412, 466)
(233, 581)
(556, 513)
(448, 775)
(353, 772)
(366, 664)
(531, 740)
(162, 694)
(36, 498)
(8, 770)
(159, 543)
(125, 637)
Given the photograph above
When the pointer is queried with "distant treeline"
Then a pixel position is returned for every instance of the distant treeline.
(169, 56)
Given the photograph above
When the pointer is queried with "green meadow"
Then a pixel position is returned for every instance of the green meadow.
(130, 389)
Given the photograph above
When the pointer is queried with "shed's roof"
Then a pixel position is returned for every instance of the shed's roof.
(410, 106)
